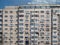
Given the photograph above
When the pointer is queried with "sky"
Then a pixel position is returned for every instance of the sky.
(4, 3)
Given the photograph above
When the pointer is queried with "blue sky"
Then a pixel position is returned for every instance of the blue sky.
(12, 2)
(4, 3)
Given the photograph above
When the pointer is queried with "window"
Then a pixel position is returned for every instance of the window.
(42, 25)
(5, 33)
(54, 19)
(6, 16)
(57, 10)
(0, 11)
(21, 24)
(11, 32)
(1, 16)
(17, 20)
(0, 28)
(16, 24)
(0, 41)
(26, 37)
(55, 41)
(34, 28)
(47, 12)
(47, 34)
(21, 20)
(41, 29)
(11, 25)
(34, 36)
(21, 15)
(6, 24)
(6, 28)
(54, 28)
(11, 21)
(26, 16)
(42, 15)
(0, 37)
(55, 24)
(16, 16)
(11, 37)
(59, 40)
(11, 11)
(42, 37)
(1, 20)
(34, 15)
(0, 32)
(5, 20)
(47, 16)
(11, 28)
(5, 41)
(20, 44)
(54, 36)
(26, 32)
(0, 24)
(36, 24)
(47, 25)
(32, 11)
(47, 20)
(26, 28)
(21, 28)
(26, 42)
(21, 11)
(36, 11)
(47, 42)
(26, 25)
(21, 36)
(42, 41)
(5, 37)
(32, 20)
(27, 7)
(56, 44)
(11, 16)
(47, 29)
(11, 41)
(42, 33)
(42, 11)
(27, 20)
(21, 32)
(42, 21)
(6, 11)
(54, 32)
(16, 28)
(47, 37)
(21, 41)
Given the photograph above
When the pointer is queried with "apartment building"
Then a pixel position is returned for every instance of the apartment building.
(31, 25)
(1, 17)
(10, 26)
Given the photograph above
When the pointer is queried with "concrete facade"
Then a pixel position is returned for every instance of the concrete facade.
(31, 25)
